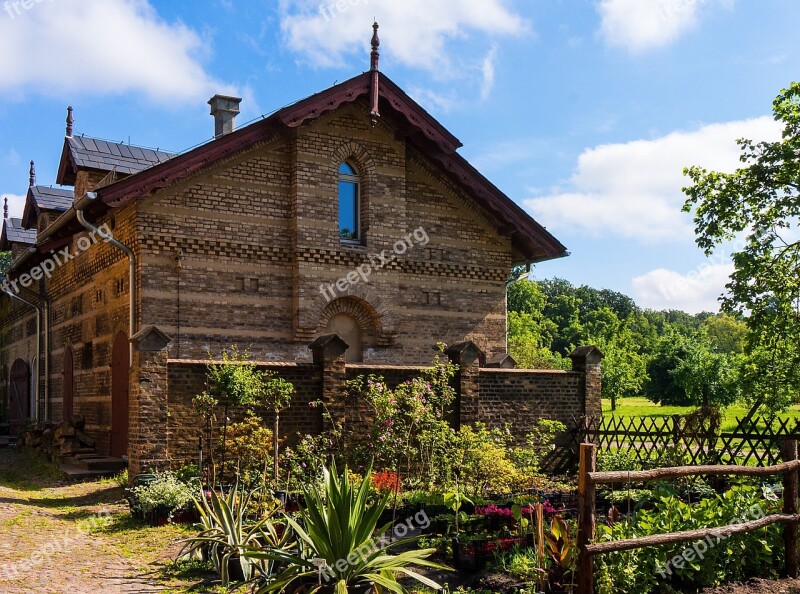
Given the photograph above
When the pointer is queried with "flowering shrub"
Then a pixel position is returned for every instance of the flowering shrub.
(410, 421)
(249, 446)
(166, 493)
(496, 510)
(386, 481)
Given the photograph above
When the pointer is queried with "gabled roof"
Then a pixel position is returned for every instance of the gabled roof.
(85, 152)
(48, 198)
(421, 129)
(13, 232)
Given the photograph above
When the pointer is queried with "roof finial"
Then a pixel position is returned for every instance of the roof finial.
(376, 43)
(375, 83)
(32, 175)
(70, 121)
(5, 207)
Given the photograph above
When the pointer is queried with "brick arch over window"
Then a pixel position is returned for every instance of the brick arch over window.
(358, 156)
(363, 313)
(385, 322)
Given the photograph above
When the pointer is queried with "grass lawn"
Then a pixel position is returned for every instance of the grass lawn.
(642, 407)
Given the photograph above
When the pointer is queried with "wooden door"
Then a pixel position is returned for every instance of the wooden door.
(19, 397)
(69, 385)
(120, 366)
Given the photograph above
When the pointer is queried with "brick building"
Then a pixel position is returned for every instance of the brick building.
(348, 213)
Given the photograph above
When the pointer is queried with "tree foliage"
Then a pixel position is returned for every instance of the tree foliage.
(760, 202)
(5, 261)
(670, 356)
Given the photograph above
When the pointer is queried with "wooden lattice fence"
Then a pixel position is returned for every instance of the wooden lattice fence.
(693, 440)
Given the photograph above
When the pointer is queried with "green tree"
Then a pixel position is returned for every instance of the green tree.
(623, 367)
(726, 334)
(661, 387)
(708, 378)
(529, 346)
(5, 261)
(761, 202)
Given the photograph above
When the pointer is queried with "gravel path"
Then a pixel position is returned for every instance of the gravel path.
(57, 537)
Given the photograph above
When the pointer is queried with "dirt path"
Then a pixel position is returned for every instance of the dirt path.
(759, 586)
(57, 537)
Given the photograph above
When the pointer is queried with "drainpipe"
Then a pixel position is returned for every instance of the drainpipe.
(79, 206)
(45, 313)
(10, 293)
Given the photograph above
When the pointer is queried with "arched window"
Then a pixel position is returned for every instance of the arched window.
(349, 203)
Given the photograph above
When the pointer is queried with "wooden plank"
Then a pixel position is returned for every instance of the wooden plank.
(689, 535)
(790, 495)
(622, 476)
(586, 518)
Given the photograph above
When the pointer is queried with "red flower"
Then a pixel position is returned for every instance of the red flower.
(386, 481)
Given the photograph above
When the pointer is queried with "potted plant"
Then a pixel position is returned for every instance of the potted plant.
(339, 545)
(162, 498)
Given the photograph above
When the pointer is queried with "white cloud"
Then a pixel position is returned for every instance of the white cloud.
(634, 189)
(414, 32)
(431, 100)
(487, 69)
(694, 292)
(640, 25)
(16, 204)
(101, 46)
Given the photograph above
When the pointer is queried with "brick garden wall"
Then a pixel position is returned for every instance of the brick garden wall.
(493, 396)
(186, 379)
(523, 396)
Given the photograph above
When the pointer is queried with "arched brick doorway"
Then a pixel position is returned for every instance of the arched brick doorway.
(346, 326)
(19, 397)
(120, 366)
(355, 321)
(69, 385)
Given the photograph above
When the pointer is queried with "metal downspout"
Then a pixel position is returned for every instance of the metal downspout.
(45, 311)
(38, 309)
(80, 205)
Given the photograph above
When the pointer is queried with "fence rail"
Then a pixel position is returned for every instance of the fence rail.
(589, 478)
(698, 440)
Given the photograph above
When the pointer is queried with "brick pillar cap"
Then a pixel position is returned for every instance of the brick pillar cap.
(150, 338)
(466, 352)
(503, 361)
(590, 354)
(329, 346)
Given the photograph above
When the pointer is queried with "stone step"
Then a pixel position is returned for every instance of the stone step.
(103, 464)
(76, 473)
(8, 441)
(86, 454)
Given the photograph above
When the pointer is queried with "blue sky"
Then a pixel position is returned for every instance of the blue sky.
(583, 111)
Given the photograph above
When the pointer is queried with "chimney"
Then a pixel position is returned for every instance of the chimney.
(224, 109)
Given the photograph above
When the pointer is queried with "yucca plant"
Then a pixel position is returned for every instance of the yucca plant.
(226, 533)
(338, 530)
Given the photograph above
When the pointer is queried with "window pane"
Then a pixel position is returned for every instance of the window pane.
(346, 169)
(348, 210)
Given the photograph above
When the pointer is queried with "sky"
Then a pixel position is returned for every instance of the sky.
(584, 112)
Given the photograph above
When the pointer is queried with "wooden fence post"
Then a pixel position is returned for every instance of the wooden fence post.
(790, 494)
(586, 517)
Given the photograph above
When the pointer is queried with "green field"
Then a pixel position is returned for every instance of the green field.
(642, 407)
